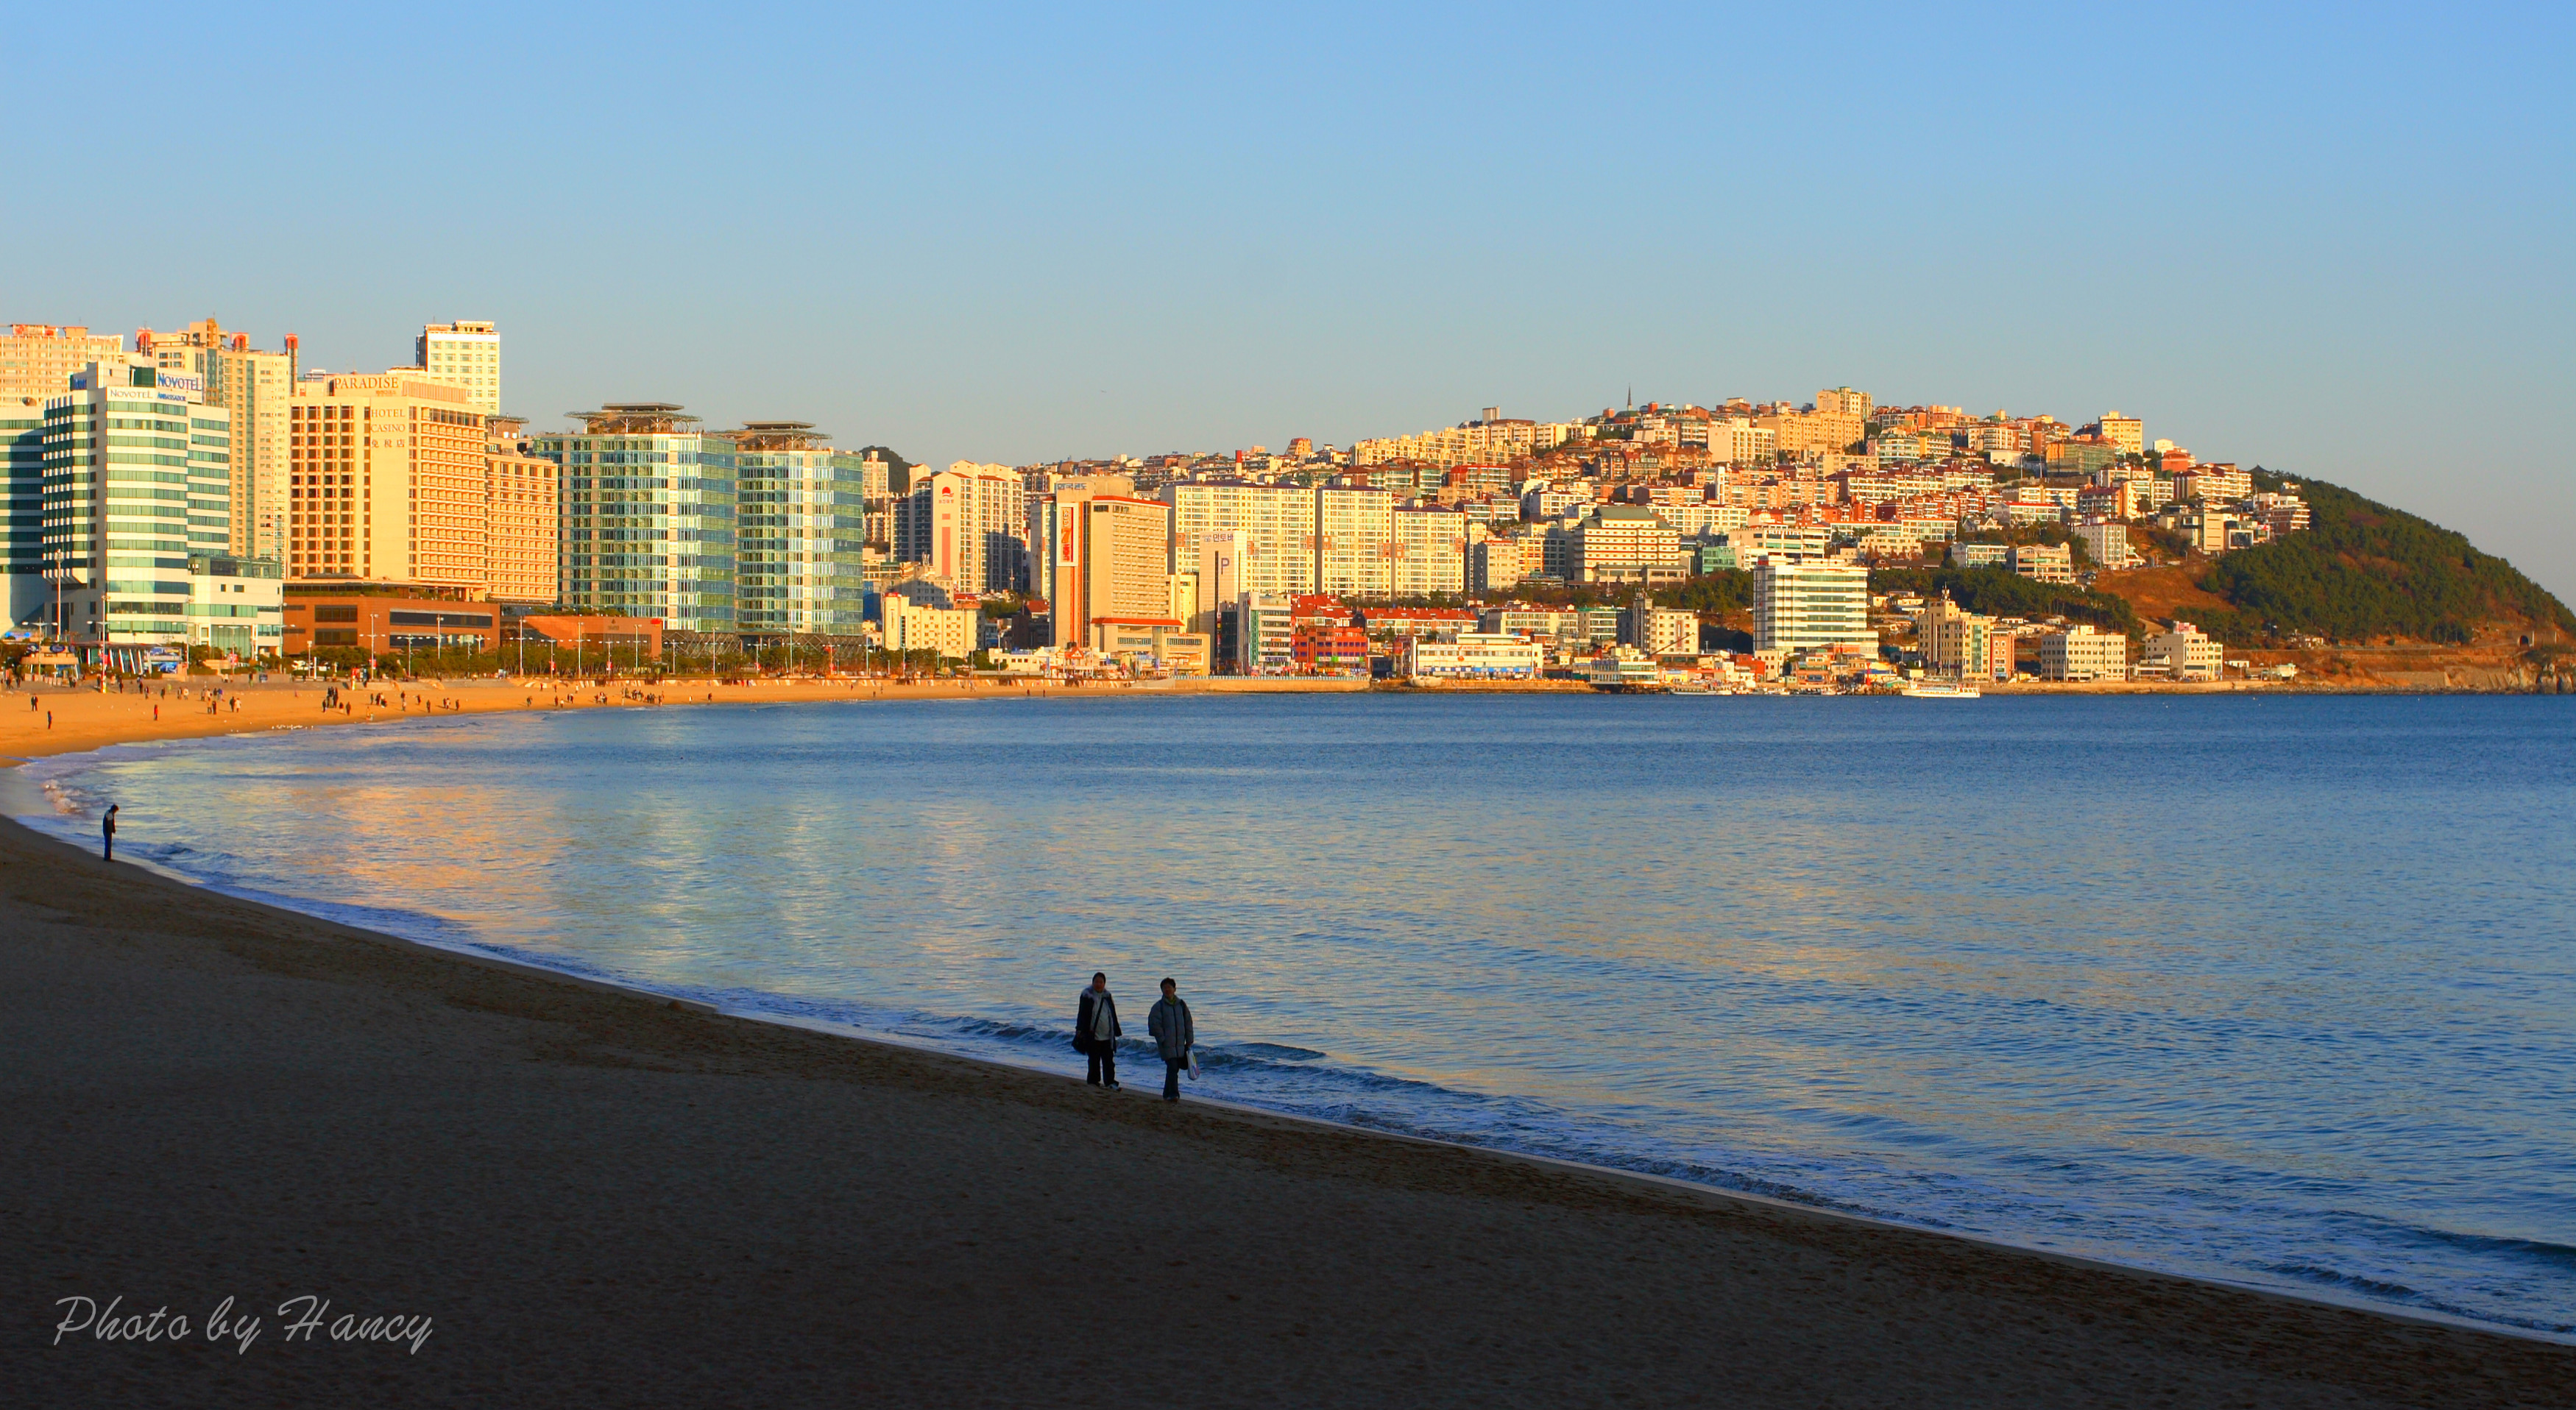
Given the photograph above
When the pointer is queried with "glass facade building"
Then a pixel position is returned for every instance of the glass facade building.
(648, 516)
(801, 520)
(22, 513)
(137, 477)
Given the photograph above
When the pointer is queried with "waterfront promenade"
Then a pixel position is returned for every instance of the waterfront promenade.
(599, 1200)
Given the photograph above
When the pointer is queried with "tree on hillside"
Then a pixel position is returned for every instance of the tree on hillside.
(2363, 569)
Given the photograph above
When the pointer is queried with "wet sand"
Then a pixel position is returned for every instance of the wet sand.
(602, 1200)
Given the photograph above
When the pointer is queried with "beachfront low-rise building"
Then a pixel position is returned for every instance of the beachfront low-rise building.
(1416, 621)
(236, 606)
(2084, 653)
(2184, 654)
(1961, 644)
(385, 623)
(1468, 656)
(1265, 633)
(910, 626)
(1328, 649)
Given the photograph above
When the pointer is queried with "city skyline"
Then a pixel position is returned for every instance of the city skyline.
(2303, 243)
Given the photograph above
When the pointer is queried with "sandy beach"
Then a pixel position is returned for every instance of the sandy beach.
(43, 720)
(598, 1199)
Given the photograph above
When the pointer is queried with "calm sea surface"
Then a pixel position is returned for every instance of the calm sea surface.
(2278, 991)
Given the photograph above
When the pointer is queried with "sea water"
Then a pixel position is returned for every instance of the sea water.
(2275, 990)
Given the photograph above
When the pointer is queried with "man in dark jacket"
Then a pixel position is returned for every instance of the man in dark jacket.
(107, 831)
(1096, 1030)
(1169, 1023)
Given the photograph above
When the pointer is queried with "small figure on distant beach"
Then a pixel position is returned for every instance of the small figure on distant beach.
(1173, 1034)
(107, 831)
(1095, 1032)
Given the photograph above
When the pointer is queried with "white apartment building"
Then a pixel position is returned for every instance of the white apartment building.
(1620, 543)
(1277, 522)
(2107, 543)
(1496, 564)
(1660, 631)
(1737, 441)
(1430, 553)
(1705, 517)
(1355, 542)
(1797, 542)
(1546, 499)
(964, 524)
(2125, 433)
(2084, 653)
(464, 355)
(1799, 604)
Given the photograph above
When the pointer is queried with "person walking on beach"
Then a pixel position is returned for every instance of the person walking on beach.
(1173, 1034)
(1096, 1030)
(107, 832)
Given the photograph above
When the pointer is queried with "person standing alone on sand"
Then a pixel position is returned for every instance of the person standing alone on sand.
(1173, 1034)
(1096, 1030)
(107, 832)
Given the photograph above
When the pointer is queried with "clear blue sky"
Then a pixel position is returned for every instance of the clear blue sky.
(2333, 240)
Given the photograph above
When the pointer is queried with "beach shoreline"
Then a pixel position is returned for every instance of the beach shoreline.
(190, 937)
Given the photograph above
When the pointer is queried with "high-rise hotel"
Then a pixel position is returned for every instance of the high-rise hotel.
(385, 483)
(395, 479)
(648, 516)
(137, 480)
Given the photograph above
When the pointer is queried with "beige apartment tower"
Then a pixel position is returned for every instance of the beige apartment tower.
(523, 516)
(464, 355)
(256, 387)
(38, 359)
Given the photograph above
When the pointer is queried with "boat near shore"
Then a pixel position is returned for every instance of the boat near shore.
(1940, 690)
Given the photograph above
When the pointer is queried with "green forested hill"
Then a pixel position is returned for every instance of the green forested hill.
(2366, 570)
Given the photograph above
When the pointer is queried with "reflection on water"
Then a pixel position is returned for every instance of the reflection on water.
(2274, 990)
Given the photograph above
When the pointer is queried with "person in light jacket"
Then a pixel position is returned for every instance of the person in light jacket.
(1095, 1024)
(1169, 1023)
